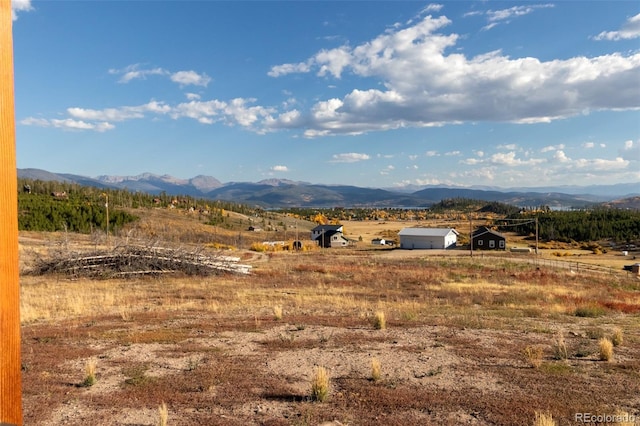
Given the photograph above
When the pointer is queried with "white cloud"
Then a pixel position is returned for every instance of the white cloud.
(387, 170)
(457, 153)
(631, 150)
(629, 30)
(431, 153)
(424, 85)
(509, 159)
(433, 7)
(19, 6)
(561, 157)
(186, 78)
(183, 78)
(192, 96)
(552, 148)
(514, 12)
(351, 157)
(280, 70)
(280, 168)
(119, 114)
(134, 72)
(68, 124)
(588, 145)
(600, 164)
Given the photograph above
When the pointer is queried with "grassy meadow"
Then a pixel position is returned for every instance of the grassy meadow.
(355, 336)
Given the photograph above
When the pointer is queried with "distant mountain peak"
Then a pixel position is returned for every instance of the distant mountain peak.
(278, 182)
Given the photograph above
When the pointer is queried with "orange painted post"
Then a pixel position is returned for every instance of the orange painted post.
(10, 376)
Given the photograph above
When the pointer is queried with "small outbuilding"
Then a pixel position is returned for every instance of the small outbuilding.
(378, 241)
(485, 238)
(428, 238)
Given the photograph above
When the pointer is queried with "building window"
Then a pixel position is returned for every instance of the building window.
(480, 242)
(501, 243)
(492, 244)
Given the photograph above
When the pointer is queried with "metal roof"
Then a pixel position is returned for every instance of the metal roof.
(427, 232)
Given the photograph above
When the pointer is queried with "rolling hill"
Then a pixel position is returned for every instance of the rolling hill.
(275, 193)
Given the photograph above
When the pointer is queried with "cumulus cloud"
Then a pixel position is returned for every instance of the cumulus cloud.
(19, 6)
(234, 112)
(280, 169)
(426, 85)
(351, 157)
(629, 30)
(561, 157)
(510, 159)
(552, 148)
(186, 78)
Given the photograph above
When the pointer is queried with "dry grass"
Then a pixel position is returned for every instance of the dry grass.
(544, 419)
(605, 349)
(320, 385)
(379, 321)
(455, 345)
(560, 347)
(376, 370)
(533, 355)
(163, 415)
(618, 337)
(277, 313)
(90, 373)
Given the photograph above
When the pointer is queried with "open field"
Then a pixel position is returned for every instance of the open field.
(482, 341)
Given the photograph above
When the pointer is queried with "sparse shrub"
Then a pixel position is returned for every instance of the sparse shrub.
(533, 355)
(544, 419)
(379, 321)
(163, 414)
(90, 374)
(560, 348)
(376, 370)
(320, 385)
(556, 368)
(617, 337)
(595, 333)
(606, 349)
(277, 312)
(589, 311)
(137, 375)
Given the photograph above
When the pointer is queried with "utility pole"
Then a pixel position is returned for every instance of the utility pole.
(106, 205)
(471, 234)
(10, 368)
(536, 234)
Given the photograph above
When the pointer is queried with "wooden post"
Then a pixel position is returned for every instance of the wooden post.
(10, 376)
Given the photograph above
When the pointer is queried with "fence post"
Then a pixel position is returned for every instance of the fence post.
(10, 375)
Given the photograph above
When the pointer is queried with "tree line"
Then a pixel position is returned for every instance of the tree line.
(622, 226)
(58, 206)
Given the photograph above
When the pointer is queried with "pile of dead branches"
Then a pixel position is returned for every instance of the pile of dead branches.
(130, 261)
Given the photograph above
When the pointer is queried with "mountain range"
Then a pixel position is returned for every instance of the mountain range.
(279, 193)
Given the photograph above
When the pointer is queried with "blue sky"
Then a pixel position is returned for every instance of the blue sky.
(374, 94)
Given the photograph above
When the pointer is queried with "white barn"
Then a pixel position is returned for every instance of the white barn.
(428, 238)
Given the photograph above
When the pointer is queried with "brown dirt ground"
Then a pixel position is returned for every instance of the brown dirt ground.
(212, 367)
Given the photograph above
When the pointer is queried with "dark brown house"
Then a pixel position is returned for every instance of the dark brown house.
(485, 238)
